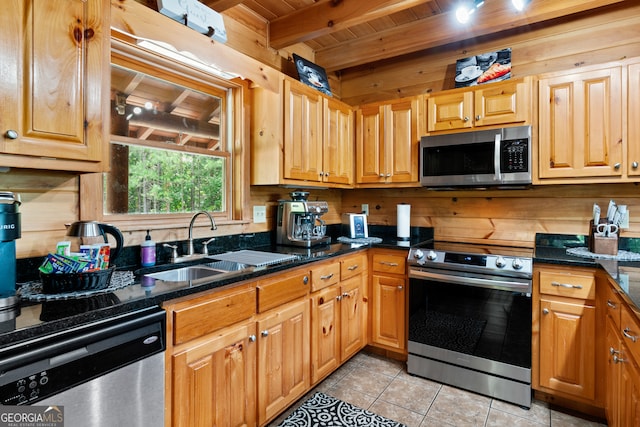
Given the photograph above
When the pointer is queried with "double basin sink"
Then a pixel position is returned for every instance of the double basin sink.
(197, 272)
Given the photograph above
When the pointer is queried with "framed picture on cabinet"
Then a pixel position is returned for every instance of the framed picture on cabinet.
(484, 68)
(312, 75)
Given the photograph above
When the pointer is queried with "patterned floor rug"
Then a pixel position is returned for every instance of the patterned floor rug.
(322, 410)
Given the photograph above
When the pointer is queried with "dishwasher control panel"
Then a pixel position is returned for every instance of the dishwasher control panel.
(25, 390)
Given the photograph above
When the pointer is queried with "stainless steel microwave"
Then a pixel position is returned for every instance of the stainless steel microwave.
(486, 158)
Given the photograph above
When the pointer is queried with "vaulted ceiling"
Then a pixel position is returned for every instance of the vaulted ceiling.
(351, 33)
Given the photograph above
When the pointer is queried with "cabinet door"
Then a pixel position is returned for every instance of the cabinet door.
(283, 358)
(302, 133)
(581, 125)
(338, 143)
(352, 317)
(567, 354)
(401, 141)
(629, 394)
(507, 102)
(613, 355)
(214, 383)
(325, 332)
(369, 154)
(633, 140)
(51, 92)
(388, 311)
(450, 111)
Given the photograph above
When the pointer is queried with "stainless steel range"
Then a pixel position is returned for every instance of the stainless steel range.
(470, 318)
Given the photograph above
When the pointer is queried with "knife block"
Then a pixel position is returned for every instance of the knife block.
(600, 244)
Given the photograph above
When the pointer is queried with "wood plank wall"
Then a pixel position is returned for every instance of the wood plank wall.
(610, 35)
(498, 217)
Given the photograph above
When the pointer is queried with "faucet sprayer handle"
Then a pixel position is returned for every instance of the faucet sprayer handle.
(205, 249)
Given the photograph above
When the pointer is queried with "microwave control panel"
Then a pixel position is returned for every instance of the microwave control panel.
(514, 155)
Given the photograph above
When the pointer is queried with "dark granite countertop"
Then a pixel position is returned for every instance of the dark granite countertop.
(552, 249)
(35, 319)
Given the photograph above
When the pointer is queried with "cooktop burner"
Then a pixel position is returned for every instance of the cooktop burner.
(490, 259)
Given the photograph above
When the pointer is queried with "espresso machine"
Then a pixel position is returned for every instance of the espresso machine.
(299, 222)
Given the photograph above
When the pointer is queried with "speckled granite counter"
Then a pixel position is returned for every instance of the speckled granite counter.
(34, 319)
(552, 249)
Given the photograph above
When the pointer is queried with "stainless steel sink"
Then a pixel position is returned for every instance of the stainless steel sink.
(227, 265)
(186, 274)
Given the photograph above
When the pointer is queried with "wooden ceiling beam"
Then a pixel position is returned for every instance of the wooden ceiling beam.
(443, 29)
(304, 24)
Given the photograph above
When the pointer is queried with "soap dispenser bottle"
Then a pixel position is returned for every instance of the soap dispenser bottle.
(148, 251)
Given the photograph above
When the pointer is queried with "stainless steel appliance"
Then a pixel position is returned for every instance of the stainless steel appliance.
(470, 318)
(487, 158)
(108, 373)
(299, 221)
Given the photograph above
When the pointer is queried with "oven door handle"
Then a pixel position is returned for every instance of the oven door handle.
(492, 283)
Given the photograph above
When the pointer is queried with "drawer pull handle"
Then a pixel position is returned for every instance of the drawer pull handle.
(327, 277)
(611, 304)
(626, 333)
(390, 264)
(566, 285)
(265, 333)
(352, 267)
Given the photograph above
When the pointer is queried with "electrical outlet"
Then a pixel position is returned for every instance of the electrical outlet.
(365, 209)
(259, 214)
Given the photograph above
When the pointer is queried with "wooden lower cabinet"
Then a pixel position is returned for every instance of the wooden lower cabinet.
(283, 357)
(388, 327)
(214, 380)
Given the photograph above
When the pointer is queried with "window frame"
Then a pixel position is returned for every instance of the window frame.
(128, 55)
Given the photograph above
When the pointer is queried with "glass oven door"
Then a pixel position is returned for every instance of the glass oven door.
(493, 324)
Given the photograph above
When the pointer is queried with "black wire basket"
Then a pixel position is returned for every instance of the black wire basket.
(56, 283)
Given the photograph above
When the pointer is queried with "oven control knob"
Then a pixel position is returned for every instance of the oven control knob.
(517, 264)
(432, 255)
(418, 254)
(500, 262)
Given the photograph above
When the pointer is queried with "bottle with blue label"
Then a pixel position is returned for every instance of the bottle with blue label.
(148, 251)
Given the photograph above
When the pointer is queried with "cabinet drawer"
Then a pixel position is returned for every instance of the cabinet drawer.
(207, 314)
(570, 285)
(325, 275)
(388, 263)
(284, 288)
(630, 331)
(613, 304)
(352, 265)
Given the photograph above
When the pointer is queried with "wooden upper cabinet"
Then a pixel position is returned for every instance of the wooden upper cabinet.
(633, 120)
(51, 83)
(580, 124)
(387, 142)
(302, 133)
(300, 137)
(500, 103)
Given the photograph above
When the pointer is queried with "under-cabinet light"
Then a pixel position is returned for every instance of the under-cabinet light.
(520, 4)
(184, 57)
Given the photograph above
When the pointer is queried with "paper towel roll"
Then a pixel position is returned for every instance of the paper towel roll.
(404, 221)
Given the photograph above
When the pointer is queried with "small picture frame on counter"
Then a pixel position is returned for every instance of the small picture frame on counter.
(358, 226)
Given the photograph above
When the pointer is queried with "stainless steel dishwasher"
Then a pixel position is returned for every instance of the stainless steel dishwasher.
(106, 373)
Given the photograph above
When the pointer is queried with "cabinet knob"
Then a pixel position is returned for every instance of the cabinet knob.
(617, 166)
(339, 298)
(345, 295)
(545, 311)
(478, 117)
(264, 333)
(305, 279)
(381, 175)
(613, 351)
(11, 134)
(634, 165)
(252, 338)
(326, 174)
(388, 175)
(465, 119)
(400, 287)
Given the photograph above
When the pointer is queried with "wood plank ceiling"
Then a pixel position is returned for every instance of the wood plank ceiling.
(353, 33)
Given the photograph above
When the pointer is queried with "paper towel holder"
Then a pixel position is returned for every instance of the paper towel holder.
(358, 226)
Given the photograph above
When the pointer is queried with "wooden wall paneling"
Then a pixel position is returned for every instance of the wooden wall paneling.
(567, 44)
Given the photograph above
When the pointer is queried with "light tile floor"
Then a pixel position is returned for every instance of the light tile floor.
(384, 387)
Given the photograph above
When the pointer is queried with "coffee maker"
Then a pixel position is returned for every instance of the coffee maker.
(299, 222)
(9, 232)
